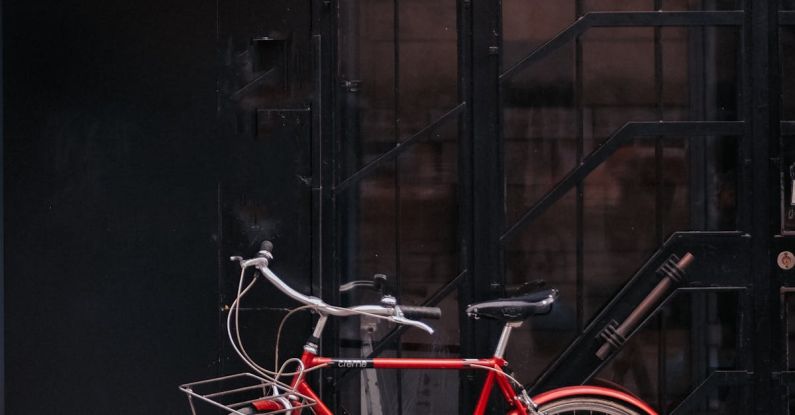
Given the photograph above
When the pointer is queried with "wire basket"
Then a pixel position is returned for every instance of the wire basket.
(234, 392)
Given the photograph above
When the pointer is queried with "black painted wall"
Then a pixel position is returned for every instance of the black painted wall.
(110, 204)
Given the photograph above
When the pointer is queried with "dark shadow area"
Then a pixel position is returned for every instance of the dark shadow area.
(110, 204)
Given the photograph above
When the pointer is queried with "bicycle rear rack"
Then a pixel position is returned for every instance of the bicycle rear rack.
(234, 392)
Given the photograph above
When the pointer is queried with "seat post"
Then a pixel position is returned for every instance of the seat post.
(503, 342)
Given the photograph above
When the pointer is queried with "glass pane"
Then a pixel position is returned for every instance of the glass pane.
(428, 260)
(539, 130)
(367, 59)
(700, 73)
(674, 186)
(618, 81)
(427, 87)
(367, 246)
(368, 226)
(619, 222)
(545, 250)
(642, 194)
(406, 229)
(428, 237)
(528, 24)
(396, 90)
(620, 84)
(695, 79)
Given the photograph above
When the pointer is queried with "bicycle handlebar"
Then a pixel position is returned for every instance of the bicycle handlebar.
(397, 314)
(421, 312)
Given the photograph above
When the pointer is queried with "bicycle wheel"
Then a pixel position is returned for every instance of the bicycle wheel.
(587, 405)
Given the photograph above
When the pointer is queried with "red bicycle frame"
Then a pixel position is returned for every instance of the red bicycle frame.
(496, 375)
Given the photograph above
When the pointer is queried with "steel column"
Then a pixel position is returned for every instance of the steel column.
(487, 167)
(324, 168)
(760, 16)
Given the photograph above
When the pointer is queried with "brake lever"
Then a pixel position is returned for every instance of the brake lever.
(356, 284)
(253, 262)
(377, 284)
(399, 318)
(418, 324)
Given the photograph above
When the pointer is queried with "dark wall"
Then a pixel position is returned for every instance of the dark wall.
(110, 204)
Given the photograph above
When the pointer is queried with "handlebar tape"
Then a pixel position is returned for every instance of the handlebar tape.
(417, 312)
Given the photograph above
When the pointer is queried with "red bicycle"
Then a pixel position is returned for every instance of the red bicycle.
(264, 393)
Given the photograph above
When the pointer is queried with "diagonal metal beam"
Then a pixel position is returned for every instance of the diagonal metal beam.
(625, 19)
(400, 148)
(254, 82)
(686, 129)
(713, 381)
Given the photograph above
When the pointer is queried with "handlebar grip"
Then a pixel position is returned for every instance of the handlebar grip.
(417, 312)
(266, 246)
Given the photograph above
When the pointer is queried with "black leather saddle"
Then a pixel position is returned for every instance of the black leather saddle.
(515, 309)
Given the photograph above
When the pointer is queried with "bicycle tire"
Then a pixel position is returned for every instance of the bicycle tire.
(582, 405)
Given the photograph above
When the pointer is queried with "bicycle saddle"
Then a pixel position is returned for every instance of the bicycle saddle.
(514, 309)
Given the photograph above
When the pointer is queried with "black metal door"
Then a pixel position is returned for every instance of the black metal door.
(466, 147)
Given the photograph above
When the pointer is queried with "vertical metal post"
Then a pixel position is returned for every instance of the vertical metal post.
(347, 147)
(696, 147)
(658, 144)
(396, 58)
(580, 202)
(487, 164)
(487, 146)
(749, 310)
(778, 334)
(761, 15)
(466, 291)
(324, 168)
(658, 206)
(2, 234)
(700, 168)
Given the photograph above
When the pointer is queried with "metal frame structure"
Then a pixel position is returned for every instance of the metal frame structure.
(742, 261)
